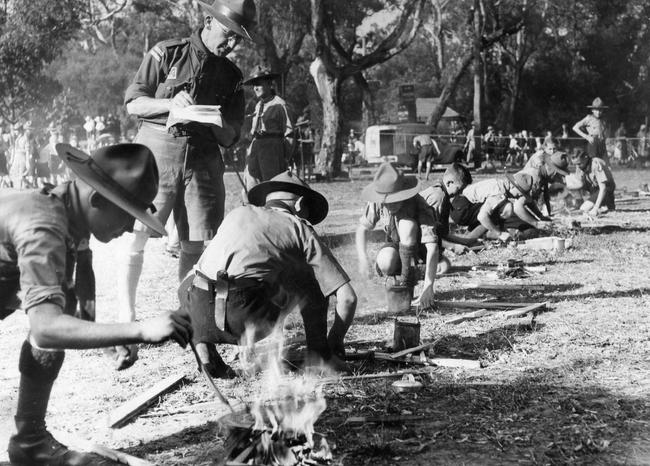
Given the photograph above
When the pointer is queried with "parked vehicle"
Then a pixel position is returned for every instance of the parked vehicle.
(394, 143)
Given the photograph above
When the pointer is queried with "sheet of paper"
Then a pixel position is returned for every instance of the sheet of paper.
(205, 114)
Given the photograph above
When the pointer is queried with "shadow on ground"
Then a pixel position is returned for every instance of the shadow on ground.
(535, 419)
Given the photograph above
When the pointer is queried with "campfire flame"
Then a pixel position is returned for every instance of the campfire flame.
(286, 412)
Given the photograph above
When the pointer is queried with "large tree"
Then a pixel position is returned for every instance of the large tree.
(338, 56)
(32, 35)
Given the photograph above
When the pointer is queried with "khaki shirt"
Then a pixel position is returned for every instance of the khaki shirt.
(273, 246)
(598, 172)
(593, 126)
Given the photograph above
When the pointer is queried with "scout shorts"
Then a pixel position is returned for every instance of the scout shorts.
(191, 183)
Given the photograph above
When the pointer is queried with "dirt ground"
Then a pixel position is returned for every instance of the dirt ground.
(570, 387)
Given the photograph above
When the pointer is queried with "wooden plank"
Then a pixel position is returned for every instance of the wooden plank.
(385, 375)
(481, 304)
(386, 419)
(506, 287)
(525, 310)
(459, 363)
(469, 316)
(123, 414)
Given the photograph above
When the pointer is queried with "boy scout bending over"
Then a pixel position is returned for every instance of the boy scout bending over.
(415, 228)
(494, 205)
(40, 233)
(265, 261)
(593, 175)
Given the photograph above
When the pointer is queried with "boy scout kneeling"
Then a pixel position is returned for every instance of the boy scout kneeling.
(265, 261)
(39, 236)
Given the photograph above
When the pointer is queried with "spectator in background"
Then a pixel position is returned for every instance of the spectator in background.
(565, 131)
(489, 142)
(89, 127)
(427, 151)
(620, 150)
(594, 129)
(642, 143)
(548, 138)
(470, 144)
(22, 169)
(5, 181)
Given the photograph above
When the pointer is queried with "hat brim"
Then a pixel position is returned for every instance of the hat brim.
(523, 192)
(264, 77)
(76, 159)
(229, 23)
(316, 202)
(410, 189)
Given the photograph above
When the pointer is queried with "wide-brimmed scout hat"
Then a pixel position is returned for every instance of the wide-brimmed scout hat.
(390, 185)
(260, 73)
(558, 162)
(125, 174)
(522, 181)
(597, 104)
(238, 15)
(287, 181)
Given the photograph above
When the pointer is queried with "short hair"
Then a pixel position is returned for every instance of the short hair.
(460, 173)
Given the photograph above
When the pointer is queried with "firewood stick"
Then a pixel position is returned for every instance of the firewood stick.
(118, 456)
(243, 456)
(386, 375)
(499, 286)
(525, 310)
(470, 316)
(423, 346)
(481, 304)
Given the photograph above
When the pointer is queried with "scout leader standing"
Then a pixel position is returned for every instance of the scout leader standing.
(414, 229)
(40, 232)
(266, 261)
(179, 73)
(593, 128)
(593, 175)
(270, 148)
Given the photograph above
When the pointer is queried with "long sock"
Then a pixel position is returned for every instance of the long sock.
(128, 285)
(38, 371)
(185, 263)
(406, 255)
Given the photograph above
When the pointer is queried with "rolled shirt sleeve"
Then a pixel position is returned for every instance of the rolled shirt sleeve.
(371, 215)
(41, 252)
(327, 270)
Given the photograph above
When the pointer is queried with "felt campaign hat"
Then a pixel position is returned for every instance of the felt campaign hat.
(598, 104)
(286, 181)
(260, 73)
(522, 181)
(390, 185)
(125, 174)
(239, 16)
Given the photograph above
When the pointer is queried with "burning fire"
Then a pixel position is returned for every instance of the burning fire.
(285, 414)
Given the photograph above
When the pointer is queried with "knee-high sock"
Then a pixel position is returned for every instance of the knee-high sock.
(38, 371)
(128, 285)
(406, 256)
(185, 263)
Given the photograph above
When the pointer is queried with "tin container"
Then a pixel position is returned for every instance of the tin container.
(407, 384)
(406, 334)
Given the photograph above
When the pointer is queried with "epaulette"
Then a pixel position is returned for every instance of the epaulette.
(158, 50)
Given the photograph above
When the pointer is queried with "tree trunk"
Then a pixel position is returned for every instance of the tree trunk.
(478, 68)
(328, 162)
(450, 89)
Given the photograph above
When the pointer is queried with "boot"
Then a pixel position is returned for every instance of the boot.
(212, 362)
(33, 445)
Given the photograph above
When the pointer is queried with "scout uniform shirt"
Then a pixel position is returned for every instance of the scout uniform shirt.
(271, 118)
(491, 193)
(598, 172)
(593, 126)
(186, 64)
(439, 204)
(272, 246)
(39, 238)
(414, 208)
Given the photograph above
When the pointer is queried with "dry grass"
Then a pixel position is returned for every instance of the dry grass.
(572, 387)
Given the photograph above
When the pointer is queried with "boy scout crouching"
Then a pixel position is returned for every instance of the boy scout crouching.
(40, 235)
(595, 177)
(265, 261)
